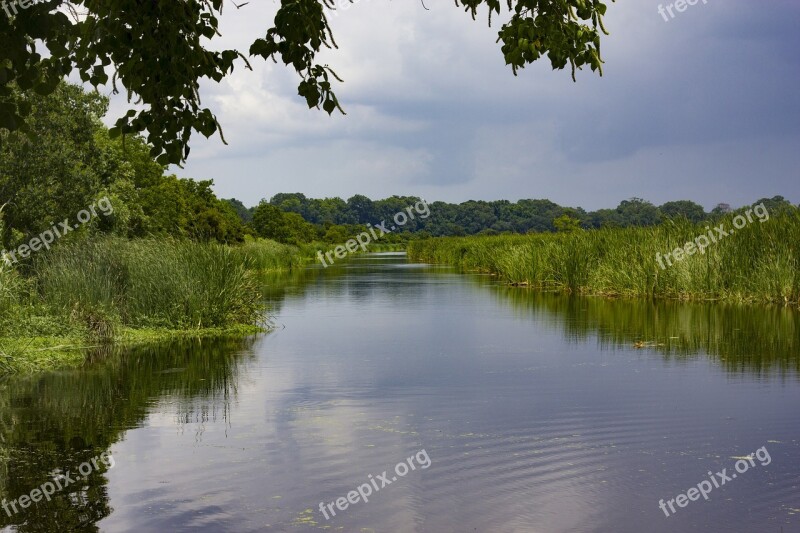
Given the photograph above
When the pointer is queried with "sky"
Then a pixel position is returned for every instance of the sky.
(703, 106)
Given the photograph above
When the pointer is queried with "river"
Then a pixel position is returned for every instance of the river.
(510, 411)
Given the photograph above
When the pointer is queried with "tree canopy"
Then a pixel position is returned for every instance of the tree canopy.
(158, 52)
(74, 162)
(480, 217)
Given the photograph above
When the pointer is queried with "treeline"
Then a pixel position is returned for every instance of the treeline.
(67, 161)
(294, 216)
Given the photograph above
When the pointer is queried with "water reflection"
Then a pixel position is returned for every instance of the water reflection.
(54, 422)
(742, 339)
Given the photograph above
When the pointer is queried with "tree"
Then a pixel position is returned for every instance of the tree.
(74, 162)
(158, 51)
(638, 212)
(605, 218)
(362, 208)
(187, 208)
(56, 176)
(567, 224)
(335, 210)
(270, 222)
(684, 208)
(776, 204)
(721, 209)
(244, 213)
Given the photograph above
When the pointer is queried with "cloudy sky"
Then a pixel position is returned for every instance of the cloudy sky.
(702, 107)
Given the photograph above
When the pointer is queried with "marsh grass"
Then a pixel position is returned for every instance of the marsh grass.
(267, 256)
(92, 293)
(149, 283)
(759, 263)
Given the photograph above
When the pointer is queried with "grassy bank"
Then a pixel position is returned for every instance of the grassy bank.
(91, 294)
(758, 263)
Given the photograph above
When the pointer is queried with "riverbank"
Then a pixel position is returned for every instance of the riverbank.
(757, 262)
(39, 354)
(91, 296)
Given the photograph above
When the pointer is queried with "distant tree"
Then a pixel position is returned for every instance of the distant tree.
(454, 230)
(362, 209)
(475, 216)
(337, 234)
(244, 213)
(567, 224)
(335, 210)
(300, 231)
(211, 219)
(605, 218)
(638, 212)
(534, 215)
(684, 208)
(187, 208)
(270, 222)
(776, 204)
(721, 209)
(291, 202)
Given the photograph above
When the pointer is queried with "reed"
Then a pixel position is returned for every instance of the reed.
(759, 263)
(149, 283)
(267, 256)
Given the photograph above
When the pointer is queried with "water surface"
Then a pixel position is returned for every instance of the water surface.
(538, 412)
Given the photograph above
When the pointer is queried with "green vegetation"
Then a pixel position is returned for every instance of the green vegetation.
(760, 263)
(148, 283)
(262, 255)
(164, 257)
(295, 219)
(69, 161)
(113, 290)
(333, 218)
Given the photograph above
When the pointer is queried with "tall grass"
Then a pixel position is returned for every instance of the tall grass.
(265, 255)
(11, 287)
(760, 262)
(92, 290)
(149, 283)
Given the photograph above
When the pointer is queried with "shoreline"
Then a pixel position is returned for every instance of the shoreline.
(28, 355)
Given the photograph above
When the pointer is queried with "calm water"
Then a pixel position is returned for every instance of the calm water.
(537, 414)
